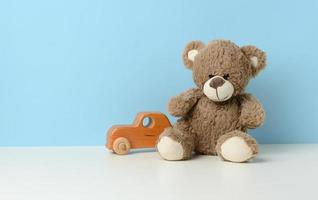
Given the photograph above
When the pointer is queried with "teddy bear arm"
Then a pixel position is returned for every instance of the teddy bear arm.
(252, 112)
(180, 105)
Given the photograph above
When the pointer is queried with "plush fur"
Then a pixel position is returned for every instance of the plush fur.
(204, 124)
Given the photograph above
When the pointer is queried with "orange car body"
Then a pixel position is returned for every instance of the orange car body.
(138, 134)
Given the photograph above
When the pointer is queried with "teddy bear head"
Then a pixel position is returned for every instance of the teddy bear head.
(221, 68)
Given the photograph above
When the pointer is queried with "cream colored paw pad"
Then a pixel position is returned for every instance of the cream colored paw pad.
(235, 149)
(170, 149)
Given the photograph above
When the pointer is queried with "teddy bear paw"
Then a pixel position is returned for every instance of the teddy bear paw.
(170, 149)
(235, 149)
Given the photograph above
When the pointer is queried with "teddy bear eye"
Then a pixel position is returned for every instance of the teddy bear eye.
(226, 76)
(211, 76)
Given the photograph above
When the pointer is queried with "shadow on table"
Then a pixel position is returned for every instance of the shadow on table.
(136, 151)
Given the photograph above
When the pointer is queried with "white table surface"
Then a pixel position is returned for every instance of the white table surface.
(93, 173)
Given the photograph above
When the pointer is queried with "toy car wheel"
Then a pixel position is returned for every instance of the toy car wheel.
(121, 146)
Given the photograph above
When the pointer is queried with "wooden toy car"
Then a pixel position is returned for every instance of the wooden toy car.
(143, 133)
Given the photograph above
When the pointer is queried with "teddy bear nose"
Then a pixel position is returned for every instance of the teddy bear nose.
(217, 82)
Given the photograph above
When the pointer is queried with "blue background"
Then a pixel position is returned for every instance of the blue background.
(70, 69)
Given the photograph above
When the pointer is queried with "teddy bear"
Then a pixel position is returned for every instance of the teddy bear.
(214, 116)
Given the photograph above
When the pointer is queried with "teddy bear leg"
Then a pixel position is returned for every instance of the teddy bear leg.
(176, 143)
(236, 146)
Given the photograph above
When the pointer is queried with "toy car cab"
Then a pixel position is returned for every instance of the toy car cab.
(143, 133)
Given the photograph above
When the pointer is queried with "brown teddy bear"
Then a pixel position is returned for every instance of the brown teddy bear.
(215, 116)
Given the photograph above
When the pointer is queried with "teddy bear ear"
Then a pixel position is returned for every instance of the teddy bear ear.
(190, 51)
(257, 58)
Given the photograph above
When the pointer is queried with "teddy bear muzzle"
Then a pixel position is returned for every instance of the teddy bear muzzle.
(218, 89)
